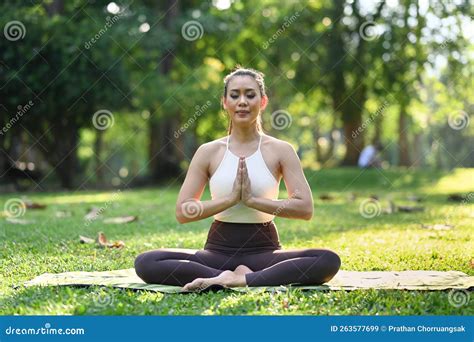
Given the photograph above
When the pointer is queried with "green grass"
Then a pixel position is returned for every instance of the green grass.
(385, 242)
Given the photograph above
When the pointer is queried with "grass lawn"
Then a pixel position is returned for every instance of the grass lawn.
(385, 242)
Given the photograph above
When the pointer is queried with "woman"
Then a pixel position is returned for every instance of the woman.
(242, 247)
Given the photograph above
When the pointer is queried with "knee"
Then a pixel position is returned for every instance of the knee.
(148, 265)
(332, 262)
(330, 259)
(143, 264)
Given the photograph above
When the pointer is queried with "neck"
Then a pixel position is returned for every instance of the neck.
(244, 134)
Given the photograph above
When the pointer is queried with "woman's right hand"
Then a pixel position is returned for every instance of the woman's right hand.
(236, 194)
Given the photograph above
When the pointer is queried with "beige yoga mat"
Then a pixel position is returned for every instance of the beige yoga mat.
(344, 280)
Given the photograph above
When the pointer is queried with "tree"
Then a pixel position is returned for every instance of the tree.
(66, 81)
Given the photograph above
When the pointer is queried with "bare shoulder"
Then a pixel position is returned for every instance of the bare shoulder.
(207, 153)
(278, 146)
(213, 146)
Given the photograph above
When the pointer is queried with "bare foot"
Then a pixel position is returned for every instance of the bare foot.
(242, 269)
(226, 279)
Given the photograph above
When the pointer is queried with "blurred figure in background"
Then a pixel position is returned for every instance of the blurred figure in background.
(370, 156)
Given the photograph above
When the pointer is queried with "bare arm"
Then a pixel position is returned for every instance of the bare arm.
(299, 204)
(189, 207)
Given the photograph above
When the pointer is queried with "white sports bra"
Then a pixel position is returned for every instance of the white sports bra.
(263, 183)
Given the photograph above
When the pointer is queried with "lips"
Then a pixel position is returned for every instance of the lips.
(242, 112)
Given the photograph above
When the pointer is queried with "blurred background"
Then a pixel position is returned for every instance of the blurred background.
(99, 94)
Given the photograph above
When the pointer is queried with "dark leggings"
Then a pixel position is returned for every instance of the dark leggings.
(232, 244)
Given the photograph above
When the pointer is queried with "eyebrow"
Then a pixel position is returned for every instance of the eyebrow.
(245, 89)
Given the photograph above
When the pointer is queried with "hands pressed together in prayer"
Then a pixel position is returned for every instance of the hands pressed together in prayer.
(241, 191)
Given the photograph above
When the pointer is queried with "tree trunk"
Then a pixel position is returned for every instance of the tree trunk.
(62, 156)
(98, 148)
(418, 150)
(330, 151)
(378, 128)
(5, 162)
(164, 156)
(354, 142)
(316, 136)
(153, 148)
(403, 152)
(62, 146)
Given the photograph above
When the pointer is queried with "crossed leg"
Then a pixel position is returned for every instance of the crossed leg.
(296, 266)
(181, 266)
(198, 269)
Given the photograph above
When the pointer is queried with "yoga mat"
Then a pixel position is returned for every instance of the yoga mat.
(344, 280)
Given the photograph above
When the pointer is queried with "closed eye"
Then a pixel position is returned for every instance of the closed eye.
(250, 96)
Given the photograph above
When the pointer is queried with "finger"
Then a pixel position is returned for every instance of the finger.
(239, 169)
(245, 170)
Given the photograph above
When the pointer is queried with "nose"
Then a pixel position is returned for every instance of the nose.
(242, 101)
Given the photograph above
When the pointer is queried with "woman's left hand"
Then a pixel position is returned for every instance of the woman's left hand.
(246, 197)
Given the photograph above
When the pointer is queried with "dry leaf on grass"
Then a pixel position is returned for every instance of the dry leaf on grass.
(85, 239)
(32, 205)
(392, 208)
(408, 209)
(121, 219)
(102, 242)
(414, 198)
(92, 214)
(352, 197)
(456, 198)
(63, 213)
(15, 220)
(438, 226)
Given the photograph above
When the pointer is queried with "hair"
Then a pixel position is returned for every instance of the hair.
(258, 77)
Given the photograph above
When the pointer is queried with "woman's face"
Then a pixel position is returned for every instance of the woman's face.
(243, 101)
